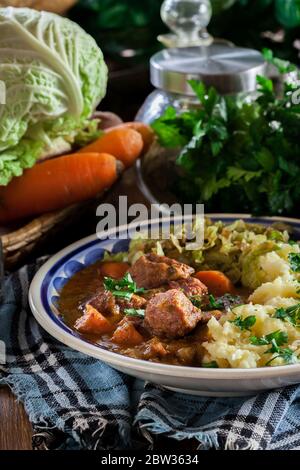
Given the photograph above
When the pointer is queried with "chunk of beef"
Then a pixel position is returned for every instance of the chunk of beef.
(151, 271)
(191, 286)
(171, 314)
(151, 292)
(106, 303)
(135, 302)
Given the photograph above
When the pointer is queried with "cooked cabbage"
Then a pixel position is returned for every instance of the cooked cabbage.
(234, 249)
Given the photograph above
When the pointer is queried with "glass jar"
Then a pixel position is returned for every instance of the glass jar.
(231, 70)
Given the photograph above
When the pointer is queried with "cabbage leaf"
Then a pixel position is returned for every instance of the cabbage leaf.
(54, 75)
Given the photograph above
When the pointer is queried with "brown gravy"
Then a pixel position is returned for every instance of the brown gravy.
(184, 351)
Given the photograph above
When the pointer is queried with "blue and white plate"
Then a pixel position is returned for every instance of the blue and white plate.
(45, 290)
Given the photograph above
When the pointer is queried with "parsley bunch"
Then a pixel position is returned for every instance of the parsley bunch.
(237, 154)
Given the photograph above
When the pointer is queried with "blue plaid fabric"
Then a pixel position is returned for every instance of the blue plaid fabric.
(77, 402)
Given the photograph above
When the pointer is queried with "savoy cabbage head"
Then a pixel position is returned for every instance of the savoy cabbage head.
(55, 76)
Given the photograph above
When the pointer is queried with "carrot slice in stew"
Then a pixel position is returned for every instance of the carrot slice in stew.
(127, 335)
(93, 322)
(114, 269)
(217, 282)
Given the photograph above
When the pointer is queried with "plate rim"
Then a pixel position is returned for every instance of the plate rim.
(118, 360)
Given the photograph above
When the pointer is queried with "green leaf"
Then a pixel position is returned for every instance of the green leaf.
(289, 314)
(294, 259)
(212, 186)
(266, 159)
(124, 287)
(266, 84)
(280, 337)
(197, 300)
(225, 302)
(199, 89)
(283, 66)
(288, 12)
(210, 365)
(236, 174)
(134, 312)
(213, 303)
(276, 340)
(246, 323)
(170, 130)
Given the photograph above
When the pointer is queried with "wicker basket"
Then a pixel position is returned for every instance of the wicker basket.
(55, 6)
(21, 242)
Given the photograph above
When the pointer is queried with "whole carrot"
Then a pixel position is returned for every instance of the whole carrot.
(146, 132)
(124, 143)
(57, 183)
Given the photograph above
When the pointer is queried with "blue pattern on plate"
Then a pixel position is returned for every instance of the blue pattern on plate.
(121, 245)
(55, 299)
(59, 283)
(93, 256)
(73, 267)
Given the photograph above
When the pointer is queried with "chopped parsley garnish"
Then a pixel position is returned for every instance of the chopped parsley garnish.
(134, 312)
(213, 303)
(276, 340)
(289, 314)
(210, 365)
(124, 287)
(197, 300)
(226, 302)
(280, 337)
(244, 323)
(294, 259)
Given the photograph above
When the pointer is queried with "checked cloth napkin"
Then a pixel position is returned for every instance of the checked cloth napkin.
(77, 402)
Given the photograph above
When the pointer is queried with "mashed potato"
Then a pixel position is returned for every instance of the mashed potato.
(230, 346)
(286, 287)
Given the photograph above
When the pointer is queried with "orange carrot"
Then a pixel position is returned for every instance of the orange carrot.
(124, 143)
(57, 183)
(217, 283)
(114, 269)
(93, 322)
(146, 132)
(127, 335)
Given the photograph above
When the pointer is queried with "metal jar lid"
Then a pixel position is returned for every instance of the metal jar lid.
(229, 69)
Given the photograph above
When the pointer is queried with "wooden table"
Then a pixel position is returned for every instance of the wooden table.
(15, 428)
